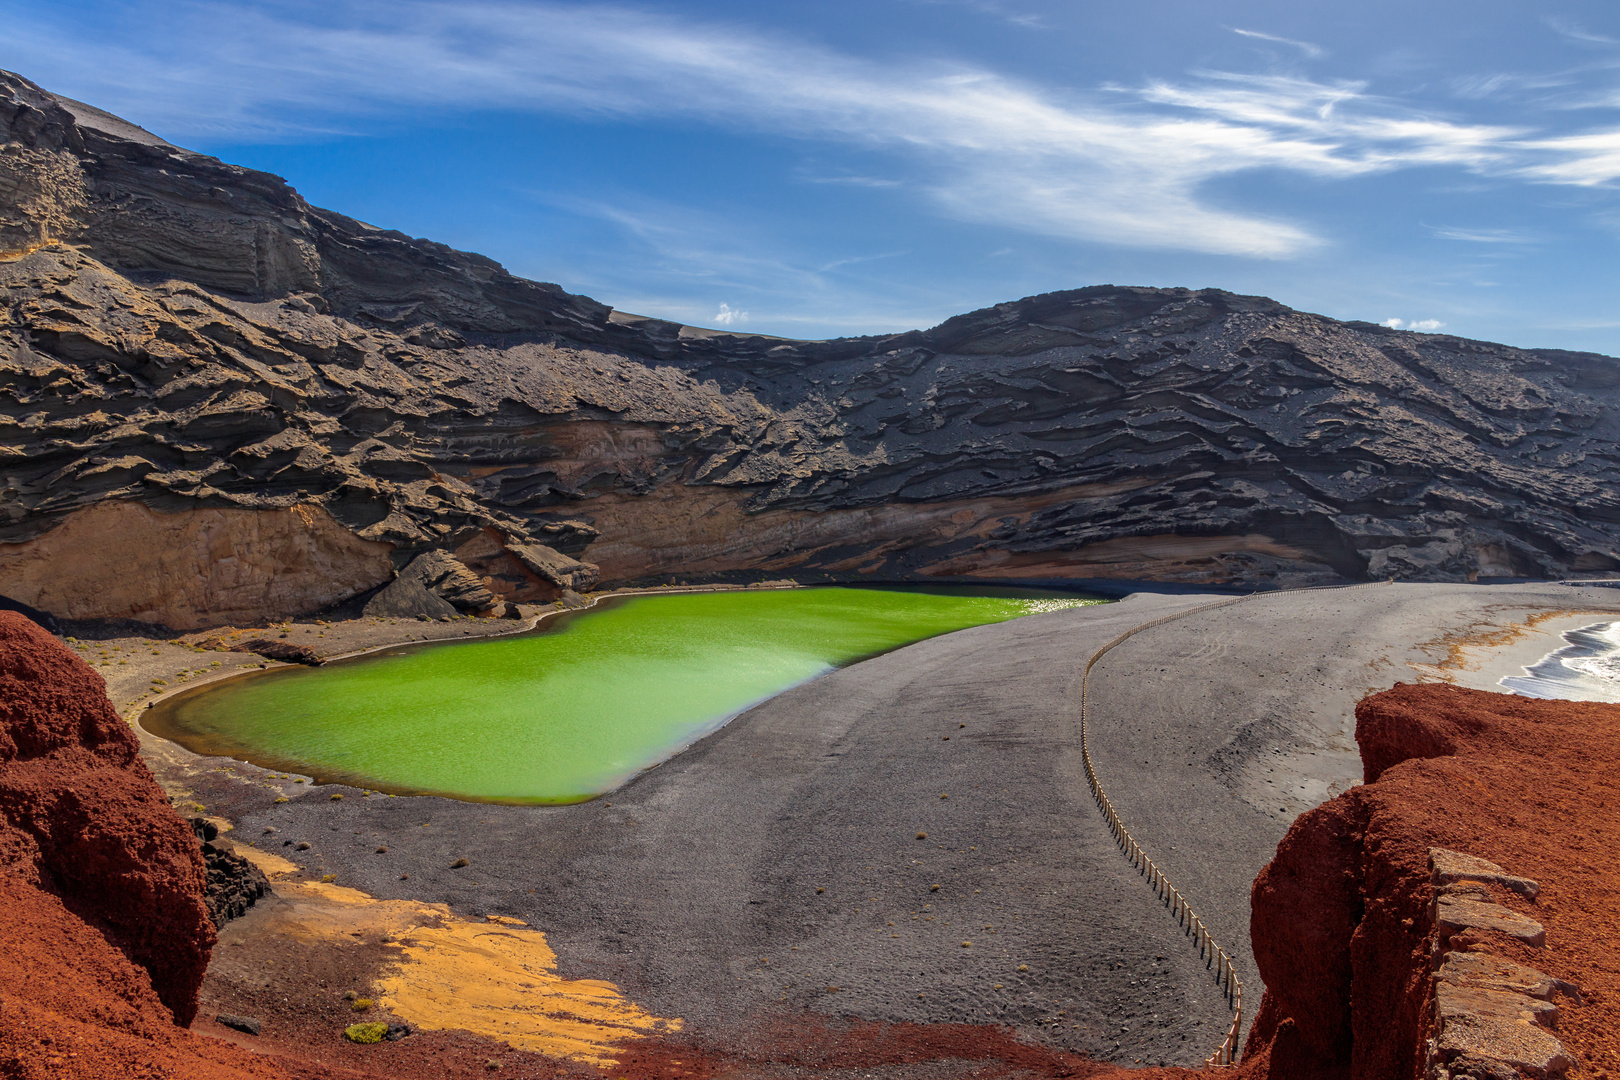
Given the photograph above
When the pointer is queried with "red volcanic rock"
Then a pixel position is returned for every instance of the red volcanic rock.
(82, 820)
(1343, 917)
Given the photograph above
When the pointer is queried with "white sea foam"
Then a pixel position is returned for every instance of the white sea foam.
(1586, 668)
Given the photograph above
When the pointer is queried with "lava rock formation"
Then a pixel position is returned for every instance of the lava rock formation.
(86, 830)
(220, 403)
(1349, 920)
(234, 884)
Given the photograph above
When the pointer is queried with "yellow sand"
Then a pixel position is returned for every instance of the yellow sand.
(496, 978)
(502, 981)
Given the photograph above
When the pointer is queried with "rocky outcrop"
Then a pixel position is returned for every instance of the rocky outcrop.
(1492, 1017)
(407, 598)
(448, 578)
(1392, 942)
(233, 883)
(83, 826)
(284, 651)
(562, 571)
(189, 337)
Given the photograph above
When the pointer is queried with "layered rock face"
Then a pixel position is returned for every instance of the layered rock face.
(190, 336)
(1393, 942)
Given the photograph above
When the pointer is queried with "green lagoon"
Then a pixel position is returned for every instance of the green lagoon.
(574, 709)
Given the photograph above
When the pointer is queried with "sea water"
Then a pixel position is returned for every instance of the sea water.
(572, 711)
(1587, 668)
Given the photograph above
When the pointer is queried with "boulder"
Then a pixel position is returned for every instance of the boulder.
(234, 884)
(446, 576)
(561, 570)
(284, 651)
(407, 598)
(246, 1024)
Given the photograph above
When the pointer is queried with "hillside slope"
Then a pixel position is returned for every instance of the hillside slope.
(221, 403)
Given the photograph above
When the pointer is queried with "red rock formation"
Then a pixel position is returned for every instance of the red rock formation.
(1343, 916)
(81, 818)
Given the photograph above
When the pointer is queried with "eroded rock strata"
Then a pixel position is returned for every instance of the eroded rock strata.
(1393, 942)
(222, 403)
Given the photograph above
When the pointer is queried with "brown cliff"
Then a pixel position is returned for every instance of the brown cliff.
(1344, 922)
(190, 336)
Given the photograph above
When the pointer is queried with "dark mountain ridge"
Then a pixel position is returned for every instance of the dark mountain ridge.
(221, 403)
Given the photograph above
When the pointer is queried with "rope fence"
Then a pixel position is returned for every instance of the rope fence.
(1216, 959)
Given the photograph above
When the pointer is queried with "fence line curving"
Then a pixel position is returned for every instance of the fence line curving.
(1216, 959)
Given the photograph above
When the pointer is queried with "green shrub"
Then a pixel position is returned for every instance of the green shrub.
(365, 1033)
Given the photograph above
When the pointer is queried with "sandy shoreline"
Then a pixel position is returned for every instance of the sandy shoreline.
(1480, 661)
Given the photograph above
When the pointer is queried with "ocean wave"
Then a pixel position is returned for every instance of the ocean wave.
(1586, 668)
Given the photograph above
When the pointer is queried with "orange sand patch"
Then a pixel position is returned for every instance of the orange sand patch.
(496, 978)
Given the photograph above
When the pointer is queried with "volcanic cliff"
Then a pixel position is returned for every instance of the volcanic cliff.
(1392, 951)
(221, 403)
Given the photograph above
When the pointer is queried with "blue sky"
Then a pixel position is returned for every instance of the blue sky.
(824, 168)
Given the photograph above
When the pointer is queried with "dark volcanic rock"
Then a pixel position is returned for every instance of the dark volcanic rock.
(407, 598)
(195, 339)
(246, 1024)
(555, 567)
(234, 884)
(284, 651)
(448, 578)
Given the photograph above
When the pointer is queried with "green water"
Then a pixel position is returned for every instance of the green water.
(564, 714)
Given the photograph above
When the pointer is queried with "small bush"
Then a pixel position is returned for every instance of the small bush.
(365, 1033)
(361, 1004)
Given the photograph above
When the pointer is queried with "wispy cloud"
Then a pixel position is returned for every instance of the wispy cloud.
(682, 253)
(1480, 236)
(994, 9)
(1576, 32)
(1313, 51)
(1427, 326)
(854, 181)
(856, 259)
(1121, 165)
(1585, 160)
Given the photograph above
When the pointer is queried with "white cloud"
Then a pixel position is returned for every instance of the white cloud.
(1427, 326)
(1310, 50)
(854, 181)
(1127, 166)
(1575, 31)
(1586, 160)
(729, 316)
(1027, 20)
(1480, 236)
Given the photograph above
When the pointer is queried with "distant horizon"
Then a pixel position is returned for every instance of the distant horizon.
(820, 170)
